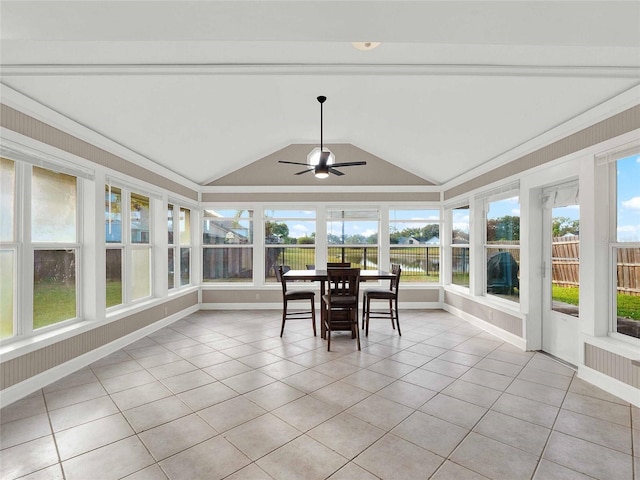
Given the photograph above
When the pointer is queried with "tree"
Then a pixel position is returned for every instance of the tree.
(563, 225)
(505, 228)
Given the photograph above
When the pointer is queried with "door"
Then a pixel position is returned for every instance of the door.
(561, 280)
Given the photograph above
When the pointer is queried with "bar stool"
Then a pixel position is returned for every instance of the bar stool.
(293, 295)
(391, 295)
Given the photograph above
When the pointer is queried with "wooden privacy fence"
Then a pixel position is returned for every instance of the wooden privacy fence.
(565, 253)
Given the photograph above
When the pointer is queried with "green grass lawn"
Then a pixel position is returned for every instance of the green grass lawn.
(52, 303)
(628, 305)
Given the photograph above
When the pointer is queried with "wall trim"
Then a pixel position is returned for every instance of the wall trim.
(610, 385)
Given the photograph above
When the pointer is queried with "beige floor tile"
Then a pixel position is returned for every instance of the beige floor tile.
(594, 407)
(250, 472)
(193, 350)
(207, 395)
(594, 430)
(346, 434)
(111, 359)
(81, 377)
(406, 393)
(515, 432)
(226, 415)
(27, 457)
(25, 407)
(547, 364)
(431, 433)
(113, 370)
(136, 396)
(548, 470)
(273, 395)
(368, 380)
(308, 381)
(224, 370)
(187, 381)
(147, 351)
(262, 435)
(525, 409)
(159, 359)
(24, 430)
(336, 369)
(167, 370)
(360, 359)
(198, 461)
(517, 358)
(260, 359)
(544, 378)
(302, 458)
(486, 378)
(535, 391)
(588, 458)
(80, 413)
(282, 369)
(54, 472)
(130, 453)
(128, 380)
(427, 379)
(341, 394)
(393, 458)
(306, 412)
(71, 395)
(351, 471)
(176, 436)
(248, 381)
(452, 471)
(156, 413)
(81, 439)
(581, 387)
(380, 412)
(454, 410)
(443, 367)
(152, 472)
(391, 368)
(497, 366)
(473, 393)
(494, 459)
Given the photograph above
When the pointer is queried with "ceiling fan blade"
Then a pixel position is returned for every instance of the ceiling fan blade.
(292, 163)
(348, 164)
(305, 171)
(335, 172)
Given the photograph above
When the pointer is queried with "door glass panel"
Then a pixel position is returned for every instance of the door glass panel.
(565, 259)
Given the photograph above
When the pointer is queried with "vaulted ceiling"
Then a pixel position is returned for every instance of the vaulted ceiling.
(205, 88)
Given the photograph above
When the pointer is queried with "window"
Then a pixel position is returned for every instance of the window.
(502, 246)
(460, 227)
(8, 248)
(352, 236)
(289, 239)
(54, 199)
(626, 248)
(414, 238)
(128, 246)
(227, 244)
(181, 262)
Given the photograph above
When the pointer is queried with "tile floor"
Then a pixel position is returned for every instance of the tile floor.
(221, 395)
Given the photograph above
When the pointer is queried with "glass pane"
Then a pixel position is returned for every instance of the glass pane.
(7, 199)
(113, 214)
(460, 226)
(114, 277)
(54, 286)
(565, 259)
(139, 218)
(290, 232)
(301, 214)
(171, 268)
(185, 226)
(227, 264)
(170, 224)
(365, 258)
(460, 266)
(628, 199)
(185, 266)
(217, 229)
(296, 258)
(628, 291)
(503, 222)
(7, 279)
(503, 268)
(352, 232)
(419, 263)
(414, 233)
(141, 268)
(53, 206)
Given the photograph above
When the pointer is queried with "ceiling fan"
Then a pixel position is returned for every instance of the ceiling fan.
(321, 161)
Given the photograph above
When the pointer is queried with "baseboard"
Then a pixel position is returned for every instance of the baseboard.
(615, 387)
(33, 384)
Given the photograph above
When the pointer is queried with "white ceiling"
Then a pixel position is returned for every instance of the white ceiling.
(206, 87)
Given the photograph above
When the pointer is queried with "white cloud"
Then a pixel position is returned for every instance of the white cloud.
(298, 231)
(633, 203)
(629, 233)
(515, 212)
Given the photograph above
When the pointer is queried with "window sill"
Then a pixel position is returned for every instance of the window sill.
(615, 343)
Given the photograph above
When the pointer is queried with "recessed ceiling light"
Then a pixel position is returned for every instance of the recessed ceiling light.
(365, 45)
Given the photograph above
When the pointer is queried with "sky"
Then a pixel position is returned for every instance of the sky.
(628, 201)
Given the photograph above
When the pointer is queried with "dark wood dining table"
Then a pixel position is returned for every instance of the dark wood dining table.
(321, 276)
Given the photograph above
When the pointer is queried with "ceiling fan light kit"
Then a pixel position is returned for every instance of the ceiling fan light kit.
(321, 161)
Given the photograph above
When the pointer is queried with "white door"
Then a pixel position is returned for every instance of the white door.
(561, 282)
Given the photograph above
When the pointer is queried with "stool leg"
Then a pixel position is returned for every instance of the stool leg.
(397, 315)
(366, 331)
(313, 316)
(364, 308)
(284, 316)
